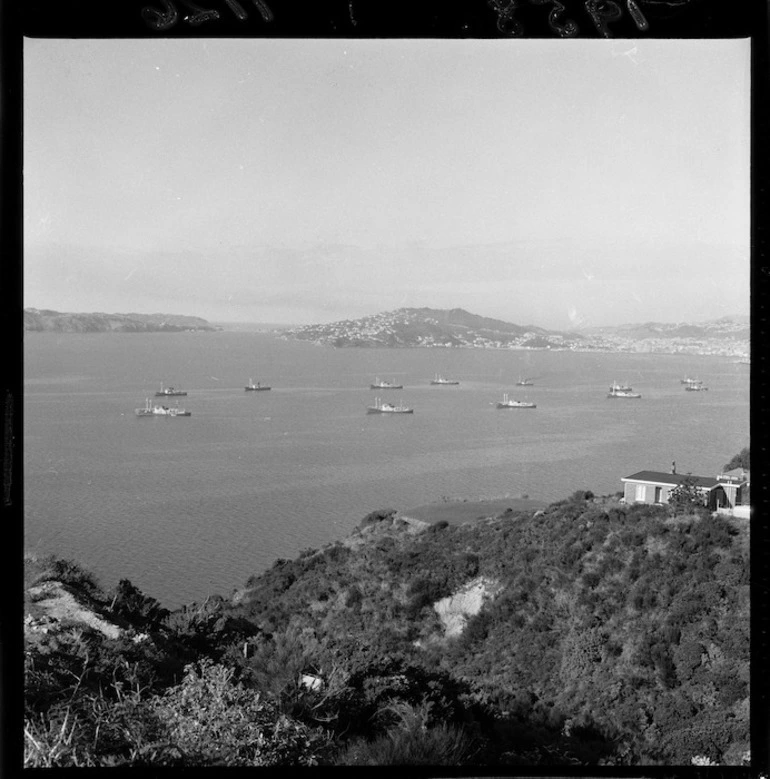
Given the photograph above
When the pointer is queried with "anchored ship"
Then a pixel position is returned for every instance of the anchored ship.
(525, 383)
(252, 387)
(507, 402)
(622, 391)
(165, 392)
(388, 408)
(379, 384)
(161, 411)
(441, 380)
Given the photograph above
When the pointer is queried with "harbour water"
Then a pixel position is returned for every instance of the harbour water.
(188, 507)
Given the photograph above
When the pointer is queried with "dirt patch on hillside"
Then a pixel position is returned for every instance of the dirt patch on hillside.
(51, 605)
(455, 610)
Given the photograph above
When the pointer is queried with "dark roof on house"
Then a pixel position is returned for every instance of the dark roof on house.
(658, 477)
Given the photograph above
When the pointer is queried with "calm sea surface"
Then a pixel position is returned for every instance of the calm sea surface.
(188, 507)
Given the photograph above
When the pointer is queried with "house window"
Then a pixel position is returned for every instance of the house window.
(639, 493)
(658, 491)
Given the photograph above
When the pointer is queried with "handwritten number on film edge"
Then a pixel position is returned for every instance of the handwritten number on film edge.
(161, 20)
(603, 11)
(567, 30)
(600, 11)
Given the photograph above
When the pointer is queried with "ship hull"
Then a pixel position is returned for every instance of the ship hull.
(390, 410)
(159, 411)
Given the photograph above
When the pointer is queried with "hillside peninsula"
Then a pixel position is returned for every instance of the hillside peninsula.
(585, 632)
(448, 328)
(46, 320)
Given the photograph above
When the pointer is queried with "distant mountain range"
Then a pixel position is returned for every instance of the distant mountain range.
(40, 320)
(430, 327)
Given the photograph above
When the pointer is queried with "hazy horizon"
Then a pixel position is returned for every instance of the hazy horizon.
(276, 325)
(564, 184)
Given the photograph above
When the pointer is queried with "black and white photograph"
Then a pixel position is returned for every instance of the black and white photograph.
(386, 401)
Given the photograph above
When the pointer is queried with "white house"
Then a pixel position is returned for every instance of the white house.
(727, 493)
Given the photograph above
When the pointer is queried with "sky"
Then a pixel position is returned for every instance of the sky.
(565, 184)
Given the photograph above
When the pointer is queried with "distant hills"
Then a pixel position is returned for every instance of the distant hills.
(41, 320)
(430, 327)
(438, 328)
(736, 328)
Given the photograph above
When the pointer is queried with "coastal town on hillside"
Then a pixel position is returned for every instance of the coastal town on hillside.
(412, 328)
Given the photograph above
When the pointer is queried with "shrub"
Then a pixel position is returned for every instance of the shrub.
(591, 580)
(740, 460)
(67, 572)
(337, 554)
(375, 517)
(215, 721)
(685, 498)
(411, 741)
(130, 603)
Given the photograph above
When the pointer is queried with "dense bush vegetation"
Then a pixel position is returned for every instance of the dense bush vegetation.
(740, 460)
(616, 635)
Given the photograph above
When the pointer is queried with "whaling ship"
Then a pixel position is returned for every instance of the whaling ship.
(441, 380)
(388, 408)
(622, 391)
(166, 392)
(161, 411)
(252, 387)
(507, 402)
(379, 384)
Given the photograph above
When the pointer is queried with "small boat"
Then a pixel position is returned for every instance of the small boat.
(441, 380)
(507, 402)
(687, 381)
(165, 392)
(378, 384)
(695, 387)
(252, 387)
(622, 391)
(161, 411)
(388, 408)
(525, 383)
